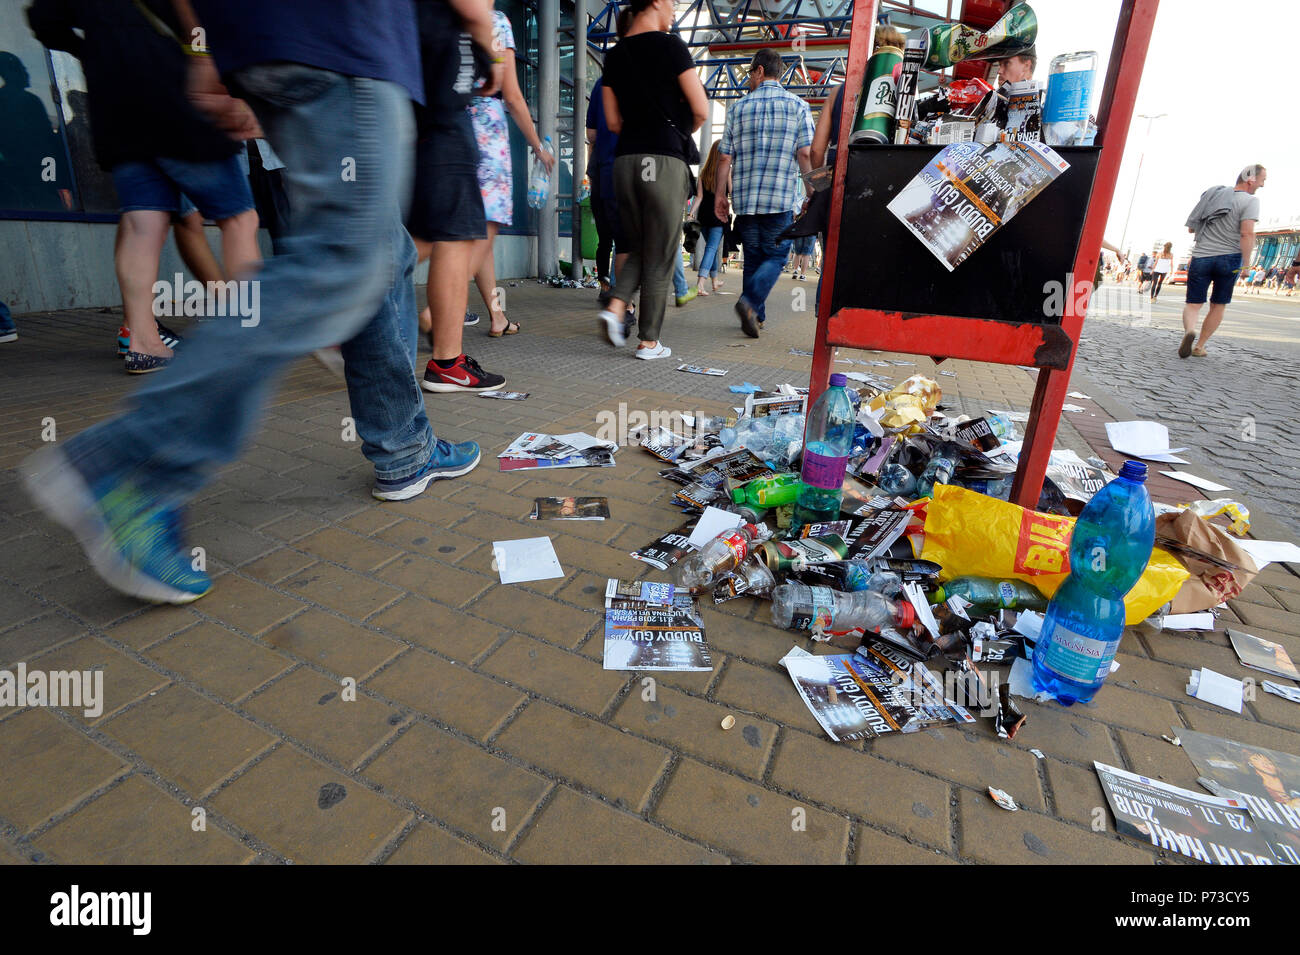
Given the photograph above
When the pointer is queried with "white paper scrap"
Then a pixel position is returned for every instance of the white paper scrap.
(1190, 621)
(1283, 690)
(1029, 624)
(1075, 408)
(1022, 681)
(1078, 394)
(1195, 481)
(923, 612)
(1142, 439)
(520, 561)
(1211, 687)
(1264, 553)
(713, 522)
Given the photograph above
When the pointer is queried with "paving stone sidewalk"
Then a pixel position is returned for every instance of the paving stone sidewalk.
(483, 728)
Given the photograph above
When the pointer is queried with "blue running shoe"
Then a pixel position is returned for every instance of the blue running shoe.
(447, 461)
(132, 542)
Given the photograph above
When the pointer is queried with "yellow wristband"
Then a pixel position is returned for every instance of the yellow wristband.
(191, 51)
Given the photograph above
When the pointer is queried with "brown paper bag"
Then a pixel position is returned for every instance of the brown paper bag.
(1204, 548)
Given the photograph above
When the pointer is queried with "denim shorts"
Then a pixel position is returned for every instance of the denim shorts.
(218, 189)
(805, 245)
(1222, 270)
(446, 203)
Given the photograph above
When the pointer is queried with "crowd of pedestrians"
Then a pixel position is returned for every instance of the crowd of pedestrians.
(370, 135)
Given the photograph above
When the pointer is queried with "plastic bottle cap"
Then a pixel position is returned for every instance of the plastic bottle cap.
(1134, 471)
(838, 380)
(906, 614)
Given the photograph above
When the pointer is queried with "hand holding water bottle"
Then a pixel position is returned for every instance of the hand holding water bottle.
(539, 182)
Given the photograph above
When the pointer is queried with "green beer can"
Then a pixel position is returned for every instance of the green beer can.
(876, 105)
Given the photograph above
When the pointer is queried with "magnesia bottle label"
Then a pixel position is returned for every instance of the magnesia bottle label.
(1077, 657)
(824, 471)
(1067, 96)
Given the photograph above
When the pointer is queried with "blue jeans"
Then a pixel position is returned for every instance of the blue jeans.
(679, 275)
(712, 256)
(1221, 271)
(345, 275)
(765, 255)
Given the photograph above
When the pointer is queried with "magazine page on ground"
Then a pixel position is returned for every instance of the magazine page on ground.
(1267, 781)
(1213, 829)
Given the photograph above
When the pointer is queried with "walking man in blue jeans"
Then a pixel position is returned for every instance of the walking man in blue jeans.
(1224, 223)
(766, 144)
(331, 87)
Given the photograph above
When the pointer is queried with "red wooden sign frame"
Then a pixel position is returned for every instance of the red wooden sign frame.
(976, 339)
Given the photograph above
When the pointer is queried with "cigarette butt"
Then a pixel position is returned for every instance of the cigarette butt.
(728, 722)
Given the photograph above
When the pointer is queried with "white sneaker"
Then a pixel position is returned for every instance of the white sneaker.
(613, 328)
(649, 354)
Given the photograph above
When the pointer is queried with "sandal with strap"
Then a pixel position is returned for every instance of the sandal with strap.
(512, 328)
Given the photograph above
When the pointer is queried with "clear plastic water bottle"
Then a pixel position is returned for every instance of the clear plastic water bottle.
(828, 440)
(703, 569)
(849, 576)
(800, 607)
(938, 471)
(1109, 550)
(539, 181)
(896, 480)
(1069, 89)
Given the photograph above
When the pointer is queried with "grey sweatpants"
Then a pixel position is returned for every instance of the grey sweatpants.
(651, 194)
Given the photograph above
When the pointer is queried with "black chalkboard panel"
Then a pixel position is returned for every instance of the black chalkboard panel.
(883, 266)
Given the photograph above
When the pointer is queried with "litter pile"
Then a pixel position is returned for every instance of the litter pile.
(880, 528)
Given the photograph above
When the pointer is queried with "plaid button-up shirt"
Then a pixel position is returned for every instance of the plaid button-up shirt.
(763, 132)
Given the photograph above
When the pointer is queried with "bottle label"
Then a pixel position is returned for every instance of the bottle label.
(738, 544)
(824, 471)
(1077, 657)
(1006, 594)
(816, 615)
(1067, 96)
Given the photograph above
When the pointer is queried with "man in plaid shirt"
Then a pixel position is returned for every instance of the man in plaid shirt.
(767, 142)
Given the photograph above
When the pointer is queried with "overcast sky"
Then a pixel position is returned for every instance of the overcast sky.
(1225, 73)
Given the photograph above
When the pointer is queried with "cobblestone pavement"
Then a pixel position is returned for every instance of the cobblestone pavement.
(1237, 411)
(483, 727)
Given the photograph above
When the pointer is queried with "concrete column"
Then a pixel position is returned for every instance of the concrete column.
(548, 224)
(579, 128)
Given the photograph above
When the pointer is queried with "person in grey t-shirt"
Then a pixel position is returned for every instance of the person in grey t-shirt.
(1224, 225)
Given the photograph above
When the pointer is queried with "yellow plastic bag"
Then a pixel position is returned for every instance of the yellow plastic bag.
(971, 534)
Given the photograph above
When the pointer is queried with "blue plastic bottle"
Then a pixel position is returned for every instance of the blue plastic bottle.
(1109, 550)
(828, 440)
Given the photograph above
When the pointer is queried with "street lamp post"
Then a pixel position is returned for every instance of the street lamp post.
(1150, 118)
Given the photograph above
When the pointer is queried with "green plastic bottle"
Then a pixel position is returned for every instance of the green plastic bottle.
(775, 491)
(987, 595)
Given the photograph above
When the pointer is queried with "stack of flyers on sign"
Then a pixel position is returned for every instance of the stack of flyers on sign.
(1260, 654)
(668, 549)
(1219, 830)
(570, 509)
(536, 450)
(504, 395)
(869, 693)
(700, 370)
(969, 190)
(650, 627)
